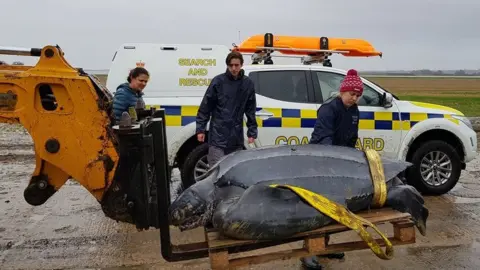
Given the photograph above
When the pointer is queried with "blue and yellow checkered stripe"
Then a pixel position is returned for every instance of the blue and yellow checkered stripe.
(305, 118)
(288, 118)
(178, 116)
(395, 120)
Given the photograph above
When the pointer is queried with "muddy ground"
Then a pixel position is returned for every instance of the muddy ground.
(71, 232)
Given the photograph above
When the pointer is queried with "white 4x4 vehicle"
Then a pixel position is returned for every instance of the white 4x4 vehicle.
(438, 140)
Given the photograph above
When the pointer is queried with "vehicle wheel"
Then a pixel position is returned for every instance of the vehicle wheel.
(436, 168)
(195, 165)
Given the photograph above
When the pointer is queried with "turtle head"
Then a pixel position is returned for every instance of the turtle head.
(189, 208)
(186, 211)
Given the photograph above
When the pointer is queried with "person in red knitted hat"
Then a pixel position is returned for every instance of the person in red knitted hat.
(337, 124)
(351, 88)
(337, 118)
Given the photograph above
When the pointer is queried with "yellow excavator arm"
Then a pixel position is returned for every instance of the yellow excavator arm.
(68, 115)
(67, 118)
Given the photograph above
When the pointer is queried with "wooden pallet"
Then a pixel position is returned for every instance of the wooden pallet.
(315, 242)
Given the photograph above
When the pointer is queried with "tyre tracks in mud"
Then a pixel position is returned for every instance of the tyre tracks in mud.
(14, 157)
(16, 145)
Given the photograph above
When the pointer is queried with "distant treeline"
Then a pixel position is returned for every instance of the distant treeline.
(425, 72)
(421, 72)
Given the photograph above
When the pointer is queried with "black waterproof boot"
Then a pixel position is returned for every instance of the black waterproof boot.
(336, 256)
(313, 263)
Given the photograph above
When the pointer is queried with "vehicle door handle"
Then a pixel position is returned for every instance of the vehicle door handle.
(264, 114)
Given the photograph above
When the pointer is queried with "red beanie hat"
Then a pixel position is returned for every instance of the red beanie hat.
(352, 82)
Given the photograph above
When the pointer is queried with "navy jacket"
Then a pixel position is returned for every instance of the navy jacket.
(124, 98)
(226, 100)
(336, 125)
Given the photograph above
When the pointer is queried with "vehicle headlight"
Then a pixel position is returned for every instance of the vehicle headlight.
(464, 119)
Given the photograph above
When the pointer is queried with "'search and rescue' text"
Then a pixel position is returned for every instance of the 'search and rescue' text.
(196, 70)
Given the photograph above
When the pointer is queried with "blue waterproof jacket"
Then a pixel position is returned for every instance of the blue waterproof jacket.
(336, 124)
(226, 100)
(124, 98)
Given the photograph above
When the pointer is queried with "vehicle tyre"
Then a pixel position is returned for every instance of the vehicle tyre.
(436, 168)
(194, 165)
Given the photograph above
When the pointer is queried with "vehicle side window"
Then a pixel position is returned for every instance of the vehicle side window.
(370, 97)
(284, 85)
(330, 85)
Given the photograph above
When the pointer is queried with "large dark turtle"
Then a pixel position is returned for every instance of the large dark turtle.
(235, 196)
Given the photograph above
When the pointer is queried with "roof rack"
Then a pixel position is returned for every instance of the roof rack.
(310, 49)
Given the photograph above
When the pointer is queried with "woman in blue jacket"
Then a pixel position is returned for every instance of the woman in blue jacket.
(127, 94)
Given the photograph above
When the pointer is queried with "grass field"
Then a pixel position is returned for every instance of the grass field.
(461, 93)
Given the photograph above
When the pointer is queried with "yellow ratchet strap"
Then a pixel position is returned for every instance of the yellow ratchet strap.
(378, 178)
(345, 217)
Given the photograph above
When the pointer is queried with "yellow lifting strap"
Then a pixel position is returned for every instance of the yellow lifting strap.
(378, 178)
(345, 217)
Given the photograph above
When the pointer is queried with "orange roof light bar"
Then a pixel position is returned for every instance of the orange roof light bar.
(303, 45)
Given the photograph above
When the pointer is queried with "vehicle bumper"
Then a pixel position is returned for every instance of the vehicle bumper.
(470, 146)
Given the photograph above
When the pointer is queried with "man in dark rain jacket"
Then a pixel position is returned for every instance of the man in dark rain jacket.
(229, 96)
(337, 124)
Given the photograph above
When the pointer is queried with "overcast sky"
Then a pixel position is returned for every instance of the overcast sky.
(412, 34)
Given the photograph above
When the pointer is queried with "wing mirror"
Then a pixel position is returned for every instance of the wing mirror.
(387, 100)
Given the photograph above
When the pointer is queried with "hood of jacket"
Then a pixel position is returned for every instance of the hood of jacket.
(126, 86)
